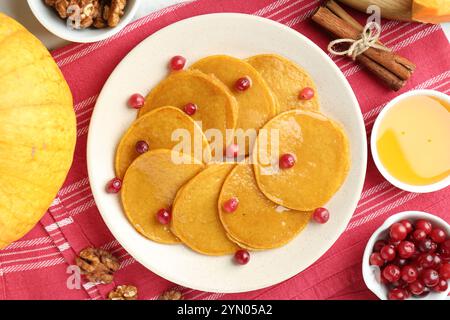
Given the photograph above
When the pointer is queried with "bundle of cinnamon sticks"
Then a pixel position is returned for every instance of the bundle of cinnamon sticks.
(390, 67)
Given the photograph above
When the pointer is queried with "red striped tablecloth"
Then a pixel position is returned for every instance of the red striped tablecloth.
(35, 266)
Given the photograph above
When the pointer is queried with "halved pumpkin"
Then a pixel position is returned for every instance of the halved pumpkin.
(37, 130)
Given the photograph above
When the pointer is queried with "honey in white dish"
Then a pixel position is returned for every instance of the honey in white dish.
(413, 140)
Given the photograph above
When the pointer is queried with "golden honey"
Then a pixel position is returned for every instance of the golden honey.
(413, 140)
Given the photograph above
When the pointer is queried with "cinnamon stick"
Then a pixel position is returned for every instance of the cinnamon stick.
(393, 69)
(341, 13)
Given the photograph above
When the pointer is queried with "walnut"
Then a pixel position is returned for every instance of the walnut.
(97, 265)
(171, 295)
(125, 292)
(115, 12)
(86, 22)
(61, 7)
(99, 21)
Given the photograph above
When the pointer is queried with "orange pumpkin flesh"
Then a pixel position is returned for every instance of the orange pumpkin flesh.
(37, 130)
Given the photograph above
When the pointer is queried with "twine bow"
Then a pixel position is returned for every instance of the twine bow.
(369, 38)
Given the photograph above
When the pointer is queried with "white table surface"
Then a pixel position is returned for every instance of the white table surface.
(19, 10)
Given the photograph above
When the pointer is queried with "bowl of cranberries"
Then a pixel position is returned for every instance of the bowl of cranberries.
(408, 257)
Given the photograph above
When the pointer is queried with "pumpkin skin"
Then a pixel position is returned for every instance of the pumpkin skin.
(37, 130)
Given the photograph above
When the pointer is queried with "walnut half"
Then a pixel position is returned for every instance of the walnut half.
(97, 265)
(124, 292)
(114, 12)
(171, 295)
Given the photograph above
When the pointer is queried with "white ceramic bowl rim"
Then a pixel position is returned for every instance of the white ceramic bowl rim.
(399, 184)
(55, 25)
(379, 289)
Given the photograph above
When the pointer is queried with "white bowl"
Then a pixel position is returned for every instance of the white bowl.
(48, 17)
(371, 273)
(373, 145)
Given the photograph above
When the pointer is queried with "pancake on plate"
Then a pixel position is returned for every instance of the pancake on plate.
(195, 218)
(150, 184)
(156, 128)
(257, 104)
(286, 79)
(322, 160)
(257, 223)
(217, 108)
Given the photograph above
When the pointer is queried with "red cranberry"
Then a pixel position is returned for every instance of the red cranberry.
(243, 83)
(391, 273)
(398, 232)
(141, 147)
(438, 235)
(397, 294)
(409, 274)
(231, 205)
(426, 260)
(383, 280)
(242, 256)
(430, 277)
(406, 249)
(136, 101)
(306, 93)
(164, 216)
(408, 225)
(177, 63)
(419, 235)
(321, 215)
(416, 288)
(444, 271)
(232, 151)
(388, 252)
(114, 185)
(287, 161)
(376, 259)
(441, 286)
(424, 225)
(444, 250)
(378, 245)
(425, 245)
(190, 109)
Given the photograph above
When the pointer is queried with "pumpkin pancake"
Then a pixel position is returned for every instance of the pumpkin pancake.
(156, 128)
(257, 223)
(257, 104)
(195, 219)
(286, 80)
(216, 106)
(150, 184)
(321, 150)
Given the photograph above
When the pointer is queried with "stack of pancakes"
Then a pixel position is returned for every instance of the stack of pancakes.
(273, 208)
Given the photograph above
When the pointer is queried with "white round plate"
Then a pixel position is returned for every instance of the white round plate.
(241, 36)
